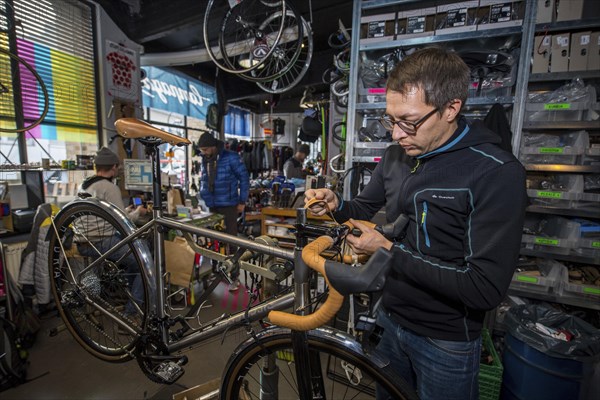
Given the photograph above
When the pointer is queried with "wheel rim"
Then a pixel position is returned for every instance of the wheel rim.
(231, 33)
(76, 286)
(341, 380)
(32, 89)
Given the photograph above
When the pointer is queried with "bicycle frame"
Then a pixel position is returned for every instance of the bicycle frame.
(155, 270)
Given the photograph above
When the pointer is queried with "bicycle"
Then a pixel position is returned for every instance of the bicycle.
(93, 295)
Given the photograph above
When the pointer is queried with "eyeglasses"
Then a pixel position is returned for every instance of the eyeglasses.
(408, 127)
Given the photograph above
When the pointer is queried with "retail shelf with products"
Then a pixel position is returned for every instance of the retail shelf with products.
(366, 103)
(553, 127)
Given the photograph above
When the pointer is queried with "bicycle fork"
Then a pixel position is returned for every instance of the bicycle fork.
(308, 363)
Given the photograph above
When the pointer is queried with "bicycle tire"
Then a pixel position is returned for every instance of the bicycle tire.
(33, 85)
(298, 69)
(242, 372)
(238, 43)
(109, 285)
(287, 50)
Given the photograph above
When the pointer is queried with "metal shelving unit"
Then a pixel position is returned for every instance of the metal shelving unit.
(357, 109)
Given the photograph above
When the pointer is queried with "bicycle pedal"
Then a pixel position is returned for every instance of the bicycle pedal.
(169, 371)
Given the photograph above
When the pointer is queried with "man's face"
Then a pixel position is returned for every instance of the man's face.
(301, 156)
(430, 134)
(208, 151)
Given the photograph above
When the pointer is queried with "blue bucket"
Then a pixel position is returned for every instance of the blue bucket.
(530, 374)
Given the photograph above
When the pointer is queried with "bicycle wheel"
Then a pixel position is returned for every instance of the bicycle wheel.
(17, 75)
(297, 70)
(90, 300)
(265, 368)
(233, 36)
(287, 50)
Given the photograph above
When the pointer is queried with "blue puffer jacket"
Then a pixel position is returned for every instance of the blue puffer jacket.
(231, 183)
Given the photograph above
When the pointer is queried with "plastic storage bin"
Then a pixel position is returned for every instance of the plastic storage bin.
(551, 273)
(556, 235)
(564, 148)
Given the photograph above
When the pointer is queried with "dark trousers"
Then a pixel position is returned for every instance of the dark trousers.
(230, 215)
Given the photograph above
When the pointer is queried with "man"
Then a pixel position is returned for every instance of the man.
(224, 186)
(292, 168)
(101, 186)
(465, 200)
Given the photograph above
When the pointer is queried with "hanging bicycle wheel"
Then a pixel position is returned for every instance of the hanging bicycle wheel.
(265, 365)
(298, 68)
(20, 84)
(236, 38)
(91, 300)
(287, 50)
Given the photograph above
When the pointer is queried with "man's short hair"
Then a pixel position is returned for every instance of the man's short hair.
(304, 148)
(440, 73)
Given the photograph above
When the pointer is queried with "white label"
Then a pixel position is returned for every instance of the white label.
(584, 40)
(546, 41)
(562, 41)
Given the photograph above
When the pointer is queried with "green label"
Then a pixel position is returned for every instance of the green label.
(596, 245)
(550, 195)
(557, 106)
(546, 241)
(591, 290)
(553, 150)
(528, 279)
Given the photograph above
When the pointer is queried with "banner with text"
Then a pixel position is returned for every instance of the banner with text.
(173, 92)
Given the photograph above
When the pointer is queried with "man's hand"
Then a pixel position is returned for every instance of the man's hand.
(369, 241)
(329, 198)
(240, 208)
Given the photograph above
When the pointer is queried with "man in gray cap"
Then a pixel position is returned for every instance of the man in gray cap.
(101, 186)
(293, 166)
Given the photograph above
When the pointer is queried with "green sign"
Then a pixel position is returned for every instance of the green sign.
(528, 279)
(546, 241)
(553, 150)
(591, 290)
(549, 195)
(557, 106)
(596, 245)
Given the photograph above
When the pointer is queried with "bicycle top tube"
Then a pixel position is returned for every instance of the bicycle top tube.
(133, 128)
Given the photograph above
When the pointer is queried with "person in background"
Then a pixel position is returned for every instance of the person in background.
(101, 186)
(292, 168)
(464, 198)
(224, 186)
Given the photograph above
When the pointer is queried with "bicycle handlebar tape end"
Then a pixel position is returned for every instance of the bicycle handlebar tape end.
(364, 279)
(311, 256)
(133, 128)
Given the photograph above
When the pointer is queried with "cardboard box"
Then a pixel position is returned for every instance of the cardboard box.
(541, 54)
(376, 28)
(593, 62)
(494, 14)
(456, 17)
(545, 11)
(416, 23)
(580, 46)
(559, 62)
(569, 10)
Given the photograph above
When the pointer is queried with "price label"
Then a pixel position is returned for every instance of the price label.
(557, 106)
(528, 279)
(554, 150)
(550, 195)
(546, 241)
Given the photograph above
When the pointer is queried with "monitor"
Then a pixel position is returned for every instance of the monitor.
(138, 175)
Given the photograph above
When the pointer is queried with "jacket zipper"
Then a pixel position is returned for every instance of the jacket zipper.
(424, 224)
(412, 171)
